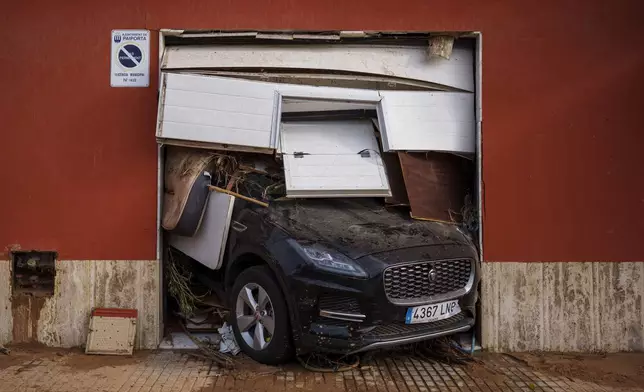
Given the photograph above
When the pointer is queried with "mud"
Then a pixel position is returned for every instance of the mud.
(78, 360)
(26, 309)
(247, 369)
(26, 354)
(358, 227)
(615, 370)
(620, 369)
(486, 372)
(252, 376)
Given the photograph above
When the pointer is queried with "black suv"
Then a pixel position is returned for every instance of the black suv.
(344, 276)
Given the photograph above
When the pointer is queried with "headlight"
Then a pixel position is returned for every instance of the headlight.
(331, 261)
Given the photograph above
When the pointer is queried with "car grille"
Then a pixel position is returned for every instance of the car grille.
(397, 330)
(338, 303)
(410, 282)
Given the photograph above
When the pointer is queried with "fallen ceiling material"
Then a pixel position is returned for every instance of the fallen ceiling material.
(441, 46)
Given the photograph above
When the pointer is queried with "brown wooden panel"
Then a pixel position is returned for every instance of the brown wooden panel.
(437, 184)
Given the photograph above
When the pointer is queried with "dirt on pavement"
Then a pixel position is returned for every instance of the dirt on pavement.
(22, 353)
(486, 372)
(74, 358)
(618, 369)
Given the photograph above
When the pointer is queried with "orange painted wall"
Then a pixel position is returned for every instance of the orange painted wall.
(563, 92)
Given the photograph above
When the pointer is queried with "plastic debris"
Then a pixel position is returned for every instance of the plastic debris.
(228, 343)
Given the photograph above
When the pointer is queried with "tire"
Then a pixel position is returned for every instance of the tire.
(276, 348)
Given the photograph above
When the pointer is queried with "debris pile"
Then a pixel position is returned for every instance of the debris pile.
(333, 152)
(256, 176)
(199, 310)
(432, 186)
(441, 350)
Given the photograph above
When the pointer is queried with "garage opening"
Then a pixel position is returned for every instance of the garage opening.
(299, 169)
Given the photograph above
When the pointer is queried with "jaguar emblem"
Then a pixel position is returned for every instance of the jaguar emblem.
(432, 275)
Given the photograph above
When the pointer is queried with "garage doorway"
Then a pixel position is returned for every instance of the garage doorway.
(268, 58)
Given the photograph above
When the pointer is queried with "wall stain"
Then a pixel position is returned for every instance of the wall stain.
(25, 309)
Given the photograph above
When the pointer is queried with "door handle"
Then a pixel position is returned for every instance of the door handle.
(238, 227)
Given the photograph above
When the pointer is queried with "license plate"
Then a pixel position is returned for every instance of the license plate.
(433, 312)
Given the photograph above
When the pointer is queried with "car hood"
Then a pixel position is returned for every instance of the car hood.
(358, 227)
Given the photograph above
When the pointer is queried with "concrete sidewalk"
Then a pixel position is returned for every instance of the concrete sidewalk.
(50, 370)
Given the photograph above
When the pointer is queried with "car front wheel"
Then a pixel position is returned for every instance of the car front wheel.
(260, 317)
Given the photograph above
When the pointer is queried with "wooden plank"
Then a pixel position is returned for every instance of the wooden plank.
(235, 194)
(437, 184)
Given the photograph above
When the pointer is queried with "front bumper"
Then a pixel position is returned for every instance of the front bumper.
(328, 338)
(345, 315)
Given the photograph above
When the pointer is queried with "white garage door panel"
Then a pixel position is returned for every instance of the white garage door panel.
(332, 165)
(334, 174)
(423, 121)
(241, 112)
(221, 135)
(217, 110)
(328, 166)
(331, 93)
(396, 61)
(225, 86)
(220, 102)
(210, 117)
(329, 137)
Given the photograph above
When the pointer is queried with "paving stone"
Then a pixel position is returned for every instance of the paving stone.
(175, 371)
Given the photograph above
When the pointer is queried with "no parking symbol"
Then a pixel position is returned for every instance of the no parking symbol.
(130, 58)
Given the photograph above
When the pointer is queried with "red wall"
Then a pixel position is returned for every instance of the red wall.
(563, 97)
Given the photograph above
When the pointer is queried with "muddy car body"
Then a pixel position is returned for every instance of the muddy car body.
(344, 276)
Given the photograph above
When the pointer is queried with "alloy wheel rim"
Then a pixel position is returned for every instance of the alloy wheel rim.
(255, 316)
